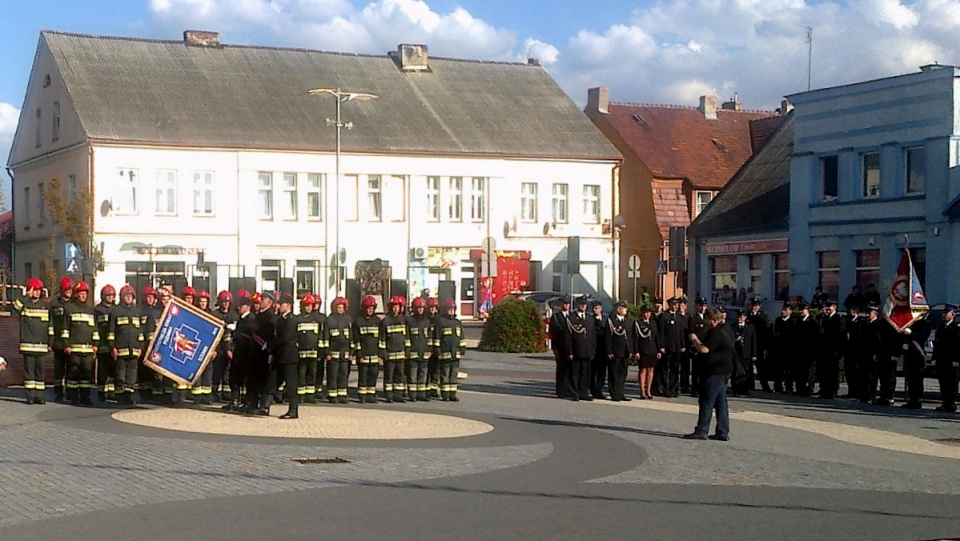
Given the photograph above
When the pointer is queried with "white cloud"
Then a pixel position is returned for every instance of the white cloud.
(9, 117)
(544, 52)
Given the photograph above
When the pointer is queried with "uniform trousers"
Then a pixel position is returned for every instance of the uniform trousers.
(60, 360)
(80, 376)
(853, 372)
(580, 377)
(599, 367)
(618, 376)
(668, 373)
(433, 376)
(686, 373)
(221, 369)
(204, 386)
(237, 377)
(257, 383)
(947, 376)
(145, 380)
(883, 370)
(288, 373)
(828, 370)
(33, 374)
(338, 373)
(367, 374)
(307, 376)
(125, 375)
(106, 366)
(563, 371)
(913, 366)
(393, 381)
(448, 377)
(800, 372)
(416, 374)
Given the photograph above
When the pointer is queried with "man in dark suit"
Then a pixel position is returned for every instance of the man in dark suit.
(583, 341)
(619, 338)
(285, 354)
(853, 358)
(808, 336)
(784, 343)
(745, 340)
(697, 324)
(673, 344)
(560, 344)
(758, 318)
(946, 350)
(600, 364)
(833, 337)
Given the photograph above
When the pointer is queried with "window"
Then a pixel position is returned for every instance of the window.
(723, 272)
(829, 273)
(394, 194)
(871, 175)
(314, 197)
(290, 196)
(266, 196)
(756, 276)
(26, 207)
(703, 199)
(433, 199)
(591, 204)
(868, 268)
(374, 201)
(36, 131)
(830, 183)
(455, 199)
(28, 269)
(166, 192)
(41, 207)
(125, 198)
(56, 121)
(477, 198)
(781, 277)
(528, 201)
(916, 161)
(919, 258)
(71, 187)
(203, 193)
(560, 203)
(558, 270)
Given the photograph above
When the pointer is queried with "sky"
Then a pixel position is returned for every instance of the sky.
(644, 51)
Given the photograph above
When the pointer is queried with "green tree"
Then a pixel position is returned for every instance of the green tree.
(514, 326)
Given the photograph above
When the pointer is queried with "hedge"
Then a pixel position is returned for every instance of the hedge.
(514, 326)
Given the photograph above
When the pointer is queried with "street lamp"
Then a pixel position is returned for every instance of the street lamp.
(341, 96)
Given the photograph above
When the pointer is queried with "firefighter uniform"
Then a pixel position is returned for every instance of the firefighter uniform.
(433, 364)
(36, 333)
(310, 347)
(106, 365)
(418, 330)
(245, 352)
(60, 358)
(366, 344)
(152, 385)
(221, 363)
(262, 380)
(80, 336)
(125, 342)
(337, 337)
(394, 344)
(449, 347)
(203, 391)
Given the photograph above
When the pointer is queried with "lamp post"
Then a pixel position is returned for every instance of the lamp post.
(341, 96)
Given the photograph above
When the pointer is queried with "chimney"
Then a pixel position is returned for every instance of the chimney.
(411, 57)
(733, 104)
(785, 107)
(201, 38)
(533, 61)
(708, 106)
(932, 67)
(598, 98)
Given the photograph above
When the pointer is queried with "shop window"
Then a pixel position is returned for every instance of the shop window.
(723, 272)
(829, 273)
(782, 276)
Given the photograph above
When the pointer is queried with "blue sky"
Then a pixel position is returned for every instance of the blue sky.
(653, 51)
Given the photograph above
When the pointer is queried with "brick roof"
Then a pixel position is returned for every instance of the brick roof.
(670, 205)
(680, 143)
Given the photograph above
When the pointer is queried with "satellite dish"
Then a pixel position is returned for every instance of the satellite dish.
(619, 222)
(546, 228)
(506, 229)
(105, 208)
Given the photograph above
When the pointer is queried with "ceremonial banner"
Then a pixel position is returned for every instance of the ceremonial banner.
(184, 342)
(906, 302)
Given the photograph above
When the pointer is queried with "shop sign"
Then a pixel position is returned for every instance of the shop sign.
(747, 247)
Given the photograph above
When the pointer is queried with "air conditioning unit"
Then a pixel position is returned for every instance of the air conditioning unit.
(418, 253)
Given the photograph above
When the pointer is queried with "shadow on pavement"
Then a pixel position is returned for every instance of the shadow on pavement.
(614, 428)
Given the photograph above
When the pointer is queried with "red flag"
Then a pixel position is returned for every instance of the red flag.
(906, 302)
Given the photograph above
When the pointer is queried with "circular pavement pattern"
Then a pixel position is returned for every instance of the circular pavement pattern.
(323, 423)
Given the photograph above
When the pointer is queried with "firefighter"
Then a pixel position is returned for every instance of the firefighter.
(163, 383)
(418, 330)
(80, 339)
(150, 385)
(221, 363)
(433, 364)
(337, 339)
(125, 340)
(60, 357)
(366, 343)
(309, 340)
(203, 392)
(36, 337)
(394, 343)
(449, 347)
(321, 353)
(189, 295)
(105, 362)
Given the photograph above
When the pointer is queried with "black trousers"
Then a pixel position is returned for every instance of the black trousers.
(307, 376)
(80, 376)
(800, 372)
(221, 368)
(829, 373)
(947, 376)
(563, 371)
(686, 372)
(448, 377)
(668, 373)
(883, 370)
(288, 373)
(60, 359)
(599, 366)
(34, 368)
(580, 377)
(415, 371)
(393, 382)
(125, 375)
(367, 374)
(237, 378)
(257, 383)
(913, 366)
(618, 367)
(338, 373)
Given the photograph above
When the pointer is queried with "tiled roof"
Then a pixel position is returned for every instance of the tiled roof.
(670, 205)
(758, 196)
(166, 92)
(679, 142)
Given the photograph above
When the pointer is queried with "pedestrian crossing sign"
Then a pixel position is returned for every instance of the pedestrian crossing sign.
(73, 266)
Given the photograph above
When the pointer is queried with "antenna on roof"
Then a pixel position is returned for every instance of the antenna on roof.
(809, 56)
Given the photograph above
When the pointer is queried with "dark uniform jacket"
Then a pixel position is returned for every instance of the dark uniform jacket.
(946, 343)
(808, 334)
(448, 339)
(600, 324)
(283, 344)
(36, 329)
(833, 335)
(560, 334)
(648, 337)
(762, 328)
(80, 334)
(149, 315)
(672, 332)
(697, 325)
(855, 329)
(583, 335)
(245, 349)
(745, 340)
(310, 335)
(366, 339)
(124, 332)
(421, 338)
(266, 329)
(394, 341)
(337, 335)
(102, 314)
(228, 318)
(620, 336)
(58, 321)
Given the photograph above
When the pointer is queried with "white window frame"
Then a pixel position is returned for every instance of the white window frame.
(203, 185)
(265, 195)
(433, 199)
(478, 199)
(455, 199)
(290, 199)
(528, 201)
(374, 198)
(907, 163)
(699, 205)
(126, 196)
(166, 183)
(591, 203)
(315, 186)
(56, 122)
(867, 192)
(560, 198)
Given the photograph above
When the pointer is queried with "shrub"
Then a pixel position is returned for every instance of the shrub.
(514, 326)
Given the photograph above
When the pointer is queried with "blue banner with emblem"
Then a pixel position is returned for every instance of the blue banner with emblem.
(184, 342)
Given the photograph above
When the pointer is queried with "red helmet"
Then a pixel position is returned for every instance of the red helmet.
(341, 300)
(398, 299)
(224, 296)
(308, 299)
(317, 301)
(127, 290)
(449, 303)
(419, 303)
(149, 291)
(81, 286)
(66, 284)
(255, 297)
(107, 290)
(243, 294)
(433, 301)
(189, 291)
(204, 294)
(34, 283)
(369, 300)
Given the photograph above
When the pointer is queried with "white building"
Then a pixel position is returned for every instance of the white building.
(211, 164)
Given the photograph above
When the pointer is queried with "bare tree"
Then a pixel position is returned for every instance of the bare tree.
(72, 219)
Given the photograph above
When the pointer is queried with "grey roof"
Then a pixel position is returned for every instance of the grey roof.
(757, 199)
(166, 92)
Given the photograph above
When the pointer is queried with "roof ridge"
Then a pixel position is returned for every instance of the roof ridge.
(772, 112)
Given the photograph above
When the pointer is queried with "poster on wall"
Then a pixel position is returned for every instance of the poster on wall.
(184, 342)
(374, 278)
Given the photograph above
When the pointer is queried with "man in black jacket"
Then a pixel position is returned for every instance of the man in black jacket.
(583, 342)
(600, 364)
(672, 346)
(784, 343)
(562, 348)
(619, 341)
(283, 347)
(808, 335)
(833, 343)
(745, 341)
(718, 349)
(853, 357)
(758, 318)
(697, 324)
(946, 351)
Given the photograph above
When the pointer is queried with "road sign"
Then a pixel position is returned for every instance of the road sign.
(71, 251)
(73, 266)
(661, 267)
(488, 261)
(633, 263)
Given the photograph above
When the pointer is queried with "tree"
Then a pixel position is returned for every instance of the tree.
(72, 219)
(514, 326)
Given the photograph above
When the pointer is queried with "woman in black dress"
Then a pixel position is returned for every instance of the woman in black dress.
(648, 350)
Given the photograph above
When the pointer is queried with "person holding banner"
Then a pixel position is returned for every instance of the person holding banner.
(151, 387)
(221, 363)
(262, 380)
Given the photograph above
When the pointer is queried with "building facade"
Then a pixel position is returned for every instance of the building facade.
(227, 179)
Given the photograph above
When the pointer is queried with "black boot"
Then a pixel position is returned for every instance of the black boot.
(85, 397)
(453, 397)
